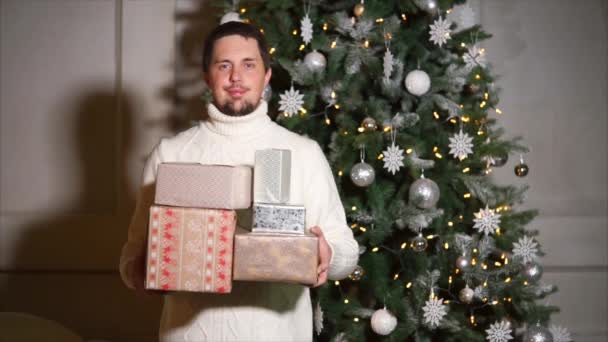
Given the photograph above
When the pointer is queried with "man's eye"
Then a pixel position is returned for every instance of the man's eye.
(224, 67)
(250, 65)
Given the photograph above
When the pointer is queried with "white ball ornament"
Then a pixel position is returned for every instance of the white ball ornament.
(417, 82)
(230, 16)
(315, 61)
(362, 174)
(383, 322)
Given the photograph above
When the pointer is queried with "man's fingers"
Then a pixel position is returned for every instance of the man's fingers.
(322, 279)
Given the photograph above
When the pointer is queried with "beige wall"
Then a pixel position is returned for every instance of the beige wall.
(71, 150)
(552, 56)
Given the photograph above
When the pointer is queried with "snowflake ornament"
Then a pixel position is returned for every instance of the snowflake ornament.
(525, 248)
(560, 334)
(306, 29)
(499, 332)
(393, 158)
(463, 16)
(387, 64)
(434, 310)
(440, 31)
(473, 57)
(291, 101)
(486, 221)
(461, 145)
(318, 319)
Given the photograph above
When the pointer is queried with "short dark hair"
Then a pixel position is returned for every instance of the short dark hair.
(232, 28)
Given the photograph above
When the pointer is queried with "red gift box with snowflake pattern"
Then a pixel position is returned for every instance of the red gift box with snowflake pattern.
(190, 249)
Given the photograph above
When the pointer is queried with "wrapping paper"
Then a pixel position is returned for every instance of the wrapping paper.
(203, 186)
(275, 218)
(275, 258)
(271, 176)
(190, 249)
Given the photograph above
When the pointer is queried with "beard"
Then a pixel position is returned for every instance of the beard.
(228, 108)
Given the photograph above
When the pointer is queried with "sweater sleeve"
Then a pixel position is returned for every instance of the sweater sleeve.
(136, 237)
(325, 209)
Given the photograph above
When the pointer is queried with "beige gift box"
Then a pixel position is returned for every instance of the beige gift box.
(194, 185)
(275, 257)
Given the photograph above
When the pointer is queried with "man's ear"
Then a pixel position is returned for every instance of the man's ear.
(267, 76)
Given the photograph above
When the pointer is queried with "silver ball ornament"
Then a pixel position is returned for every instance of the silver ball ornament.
(424, 193)
(462, 262)
(532, 271)
(315, 61)
(383, 322)
(362, 174)
(267, 93)
(417, 82)
(466, 295)
(538, 333)
(369, 124)
(501, 160)
(419, 243)
(357, 273)
(230, 16)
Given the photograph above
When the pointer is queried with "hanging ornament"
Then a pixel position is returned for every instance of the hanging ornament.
(387, 64)
(560, 334)
(486, 221)
(462, 262)
(393, 155)
(291, 102)
(417, 82)
(306, 29)
(357, 273)
(230, 16)
(369, 125)
(424, 193)
(429, 6)
(461, 145)
(362, 174)
(525, 249)
(434, 310)
(315, 61)
(499, 332)
(533, 271)
(318, 318)
(538, 333)
(466, 295)
(474, 57)
(359, 9)
(267, 93)
(419, 243)
(521, 169)
(383, 322)
(501, 160)
(440, 32)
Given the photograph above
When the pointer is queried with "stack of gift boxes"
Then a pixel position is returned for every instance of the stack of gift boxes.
(193, 240)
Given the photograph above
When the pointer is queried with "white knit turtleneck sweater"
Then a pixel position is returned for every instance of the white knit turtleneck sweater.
(252, 311)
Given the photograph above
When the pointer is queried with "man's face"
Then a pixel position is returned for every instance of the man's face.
(236, 75)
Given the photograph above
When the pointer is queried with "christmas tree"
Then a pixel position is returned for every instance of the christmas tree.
(402, 99)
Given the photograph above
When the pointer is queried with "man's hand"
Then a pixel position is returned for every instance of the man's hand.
(136, 270)
(324, 256)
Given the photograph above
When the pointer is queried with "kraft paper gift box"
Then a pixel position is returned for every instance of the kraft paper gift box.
(190, 249)
(194, 185)
(275, 258)
(279, 218)
(271, 176)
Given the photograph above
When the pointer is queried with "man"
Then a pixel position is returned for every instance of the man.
(236, 68)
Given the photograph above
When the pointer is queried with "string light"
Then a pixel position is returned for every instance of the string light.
(449, 279)
(363, 229)
(463, 44)
(396, 276)
(465, 119)
(380, 20)
(340, 173)
(294, 32)
(333, 44)
(466, 169)
(482, 104)
(486, 95)
(324, 26)
(380, 156)
(409, 150)
(477, 76)
(498, 111)
(346, 301)
(327, 121)
(472, 319)
(375, 249)
(272, 50)
(467, 195)
(446, 246)
(473, 261)
(438, 155)
(366, 44)
(262, 30)
(354, 208)
(450, 223)
(408, 285)
(436, 115)
(337, 283)
(243, 10)
(508, 280)
(356, 319)
(403, 17)
(302, 47)
(337, 106)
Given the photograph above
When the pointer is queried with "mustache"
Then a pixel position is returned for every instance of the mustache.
(235, 87)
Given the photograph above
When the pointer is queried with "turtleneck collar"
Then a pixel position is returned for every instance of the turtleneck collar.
(249, 124)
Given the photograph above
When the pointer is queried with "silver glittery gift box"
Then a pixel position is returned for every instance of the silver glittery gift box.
(277, 218)
(271, 176)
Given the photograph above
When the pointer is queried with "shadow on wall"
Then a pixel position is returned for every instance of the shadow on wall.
(64, 266)
(194, 20)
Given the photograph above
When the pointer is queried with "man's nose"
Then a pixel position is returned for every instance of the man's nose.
(235, 75)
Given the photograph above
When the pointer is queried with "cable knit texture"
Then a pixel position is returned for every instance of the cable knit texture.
(252, 311)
